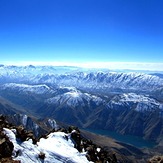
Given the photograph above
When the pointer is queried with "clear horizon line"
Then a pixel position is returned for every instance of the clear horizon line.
(148, 66)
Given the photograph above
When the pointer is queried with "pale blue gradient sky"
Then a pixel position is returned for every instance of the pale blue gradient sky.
(81, 31)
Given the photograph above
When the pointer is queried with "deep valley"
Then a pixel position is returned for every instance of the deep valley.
(115, 102)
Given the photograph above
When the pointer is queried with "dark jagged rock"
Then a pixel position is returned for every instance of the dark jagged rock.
(24, 135)
(4, 123)
(94, 153)
(6, 146)
(156, 159)
(41, 155)
(9, 160)
(21, 133)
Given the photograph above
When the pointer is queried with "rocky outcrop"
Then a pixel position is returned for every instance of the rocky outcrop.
(94, 153)
(6, 146)
(9, 160)
(156, 159)
(23, 135)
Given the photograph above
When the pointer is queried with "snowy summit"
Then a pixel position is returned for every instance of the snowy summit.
(57, 148)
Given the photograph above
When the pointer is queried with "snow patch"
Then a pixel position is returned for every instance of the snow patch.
(134, 101)
(52, 123)
(56, 148)
(24, 120)
(136, 98)
(73, 94)
(38, 89)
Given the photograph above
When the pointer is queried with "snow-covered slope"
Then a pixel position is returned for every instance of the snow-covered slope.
(38, 128)
(132, 114)
(74, 98)
(57, 147)
(71, 106)
(133, 81)
(107, 100)
(86, 80)
(36, 89)
(140, 103)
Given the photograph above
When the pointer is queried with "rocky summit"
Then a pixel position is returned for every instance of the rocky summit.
(18, 145)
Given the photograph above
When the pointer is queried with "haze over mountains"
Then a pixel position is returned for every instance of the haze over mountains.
(128, 103)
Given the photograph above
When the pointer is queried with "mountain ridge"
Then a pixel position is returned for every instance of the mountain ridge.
(73, 106)
(128, 103)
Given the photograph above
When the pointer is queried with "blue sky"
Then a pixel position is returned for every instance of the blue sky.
(81, 31)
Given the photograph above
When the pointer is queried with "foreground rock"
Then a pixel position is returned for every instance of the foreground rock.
(156, 159)
(56, 146)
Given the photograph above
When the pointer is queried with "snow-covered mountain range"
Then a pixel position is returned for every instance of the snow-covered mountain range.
(140, 103)
(72, 76)
(91, 99)
(36, 89)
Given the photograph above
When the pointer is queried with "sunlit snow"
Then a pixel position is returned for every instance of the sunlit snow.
(38, 89)
(56, 148)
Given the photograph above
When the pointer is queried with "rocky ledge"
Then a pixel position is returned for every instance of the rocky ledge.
(93, 152)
